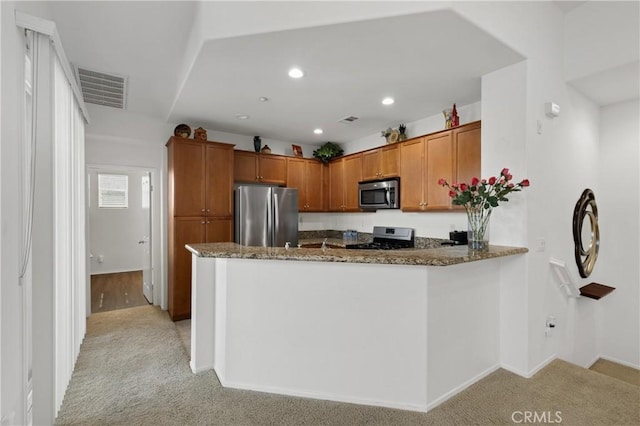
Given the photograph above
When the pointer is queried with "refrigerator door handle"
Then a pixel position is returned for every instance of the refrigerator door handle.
(269, 229)
(276, 220)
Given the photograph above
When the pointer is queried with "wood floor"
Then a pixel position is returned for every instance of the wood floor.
(116, 291)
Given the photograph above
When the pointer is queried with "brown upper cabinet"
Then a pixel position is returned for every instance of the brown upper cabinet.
(344, 175)
(467, 152)
(381, 162)
(307, 175)
(200, 205)
(252, 167)
(451, 154)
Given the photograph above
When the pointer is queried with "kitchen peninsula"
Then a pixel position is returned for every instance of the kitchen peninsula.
(404, 329)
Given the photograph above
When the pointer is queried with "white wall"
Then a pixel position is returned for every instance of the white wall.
(618, 212)
(245, 143)
(114, 232)
(434, 123)
(591, 31)
(503, 133)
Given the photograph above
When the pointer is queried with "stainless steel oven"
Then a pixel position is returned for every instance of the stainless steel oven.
(379, 194)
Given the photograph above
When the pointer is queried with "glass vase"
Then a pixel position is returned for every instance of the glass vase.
(478, 228)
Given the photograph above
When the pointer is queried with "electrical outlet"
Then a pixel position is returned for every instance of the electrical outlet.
(550, 325)
(541, 244)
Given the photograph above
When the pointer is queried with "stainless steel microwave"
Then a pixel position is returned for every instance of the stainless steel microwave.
(379, 194)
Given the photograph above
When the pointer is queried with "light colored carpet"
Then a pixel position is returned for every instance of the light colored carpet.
(184, 332)
(620, 372)
(133, 370)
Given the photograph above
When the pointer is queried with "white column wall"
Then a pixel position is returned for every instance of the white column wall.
(618, 211)
(504, 110)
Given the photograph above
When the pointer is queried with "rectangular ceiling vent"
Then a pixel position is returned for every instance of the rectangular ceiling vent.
(349, 119)
(102, 89)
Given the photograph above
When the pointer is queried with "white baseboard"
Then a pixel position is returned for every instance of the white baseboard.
(199, 370)
(618, 361)
(540, 366)
(515, 371)
(116, 271)
(590, 364)
(323, 396)
(461, 387)
(529, 374)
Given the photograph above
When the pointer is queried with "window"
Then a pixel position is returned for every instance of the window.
(113, 191)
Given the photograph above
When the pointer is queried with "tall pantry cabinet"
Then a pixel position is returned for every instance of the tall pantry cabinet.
(200, 209)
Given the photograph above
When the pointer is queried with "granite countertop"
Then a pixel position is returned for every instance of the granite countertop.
(440, 256)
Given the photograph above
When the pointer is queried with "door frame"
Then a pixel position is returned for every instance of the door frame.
(157, 231)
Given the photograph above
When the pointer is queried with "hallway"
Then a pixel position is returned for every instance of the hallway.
(116, 291)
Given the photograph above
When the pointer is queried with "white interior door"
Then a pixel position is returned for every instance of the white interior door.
(145, 241)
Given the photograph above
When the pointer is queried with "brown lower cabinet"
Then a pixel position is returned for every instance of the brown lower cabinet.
(192, 230)
(200, 206)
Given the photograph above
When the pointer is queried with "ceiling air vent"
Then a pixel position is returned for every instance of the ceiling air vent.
(349, 119)
(102, 89)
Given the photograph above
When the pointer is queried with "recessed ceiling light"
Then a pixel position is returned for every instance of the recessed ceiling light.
(318, 131)
(295, 73)
(388, 101)
(263, 99)
(242, 116)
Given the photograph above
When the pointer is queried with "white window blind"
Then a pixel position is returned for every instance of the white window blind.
(113, 191)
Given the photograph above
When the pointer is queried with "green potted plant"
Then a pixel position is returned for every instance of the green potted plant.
(328, 151)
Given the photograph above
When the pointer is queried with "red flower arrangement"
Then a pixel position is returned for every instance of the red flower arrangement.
(478, 199)
(486, 192)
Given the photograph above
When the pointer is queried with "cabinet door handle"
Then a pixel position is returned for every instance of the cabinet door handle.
(202, 223)
(203, 210)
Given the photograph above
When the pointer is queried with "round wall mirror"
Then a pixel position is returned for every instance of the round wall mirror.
(586, 233)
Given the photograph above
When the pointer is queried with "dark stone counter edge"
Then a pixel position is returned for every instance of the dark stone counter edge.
(444, 256)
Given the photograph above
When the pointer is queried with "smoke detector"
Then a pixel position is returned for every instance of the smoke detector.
(101, 88)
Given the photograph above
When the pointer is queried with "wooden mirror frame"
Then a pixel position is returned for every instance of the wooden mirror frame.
(586, 207)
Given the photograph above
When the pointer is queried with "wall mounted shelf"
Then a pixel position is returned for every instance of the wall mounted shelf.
(595, 291)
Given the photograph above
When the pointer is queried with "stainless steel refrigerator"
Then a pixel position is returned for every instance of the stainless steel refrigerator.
(266, 216)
